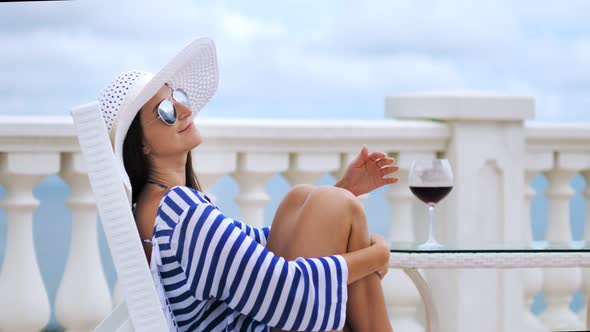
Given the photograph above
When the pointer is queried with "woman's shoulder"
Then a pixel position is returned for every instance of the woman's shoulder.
(185, 196)
(179, 201)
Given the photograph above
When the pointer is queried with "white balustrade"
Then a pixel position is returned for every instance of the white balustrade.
(210, 166)
(569, 143)
(309, 167)
(484, 137)
(401, 296)
(254, 170)
(24, 305)
(532, 279)
(345, 159)
(560, 284)
(486, 150)
(83, 299)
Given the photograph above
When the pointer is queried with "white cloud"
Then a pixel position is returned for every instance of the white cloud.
(245, 29)
(332, 53)
(433, 27)
(554, 15)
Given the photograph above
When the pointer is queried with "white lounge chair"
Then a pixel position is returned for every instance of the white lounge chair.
(141, 311)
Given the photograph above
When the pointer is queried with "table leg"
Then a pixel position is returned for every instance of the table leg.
(429, 308)
(588, 314)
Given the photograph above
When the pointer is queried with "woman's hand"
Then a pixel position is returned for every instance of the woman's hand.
(366, 173)
(379, 242)
(373, 259)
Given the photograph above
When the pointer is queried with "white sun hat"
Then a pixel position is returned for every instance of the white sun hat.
(194, 70)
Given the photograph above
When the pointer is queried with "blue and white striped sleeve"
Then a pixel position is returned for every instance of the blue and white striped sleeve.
(220, 261)
(260, 235)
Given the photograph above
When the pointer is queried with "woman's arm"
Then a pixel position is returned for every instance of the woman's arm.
(363, 262)
(360, 263)
(260, 235)
(214, 259)
(219, 261)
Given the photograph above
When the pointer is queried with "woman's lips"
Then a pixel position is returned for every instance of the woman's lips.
(187, 127)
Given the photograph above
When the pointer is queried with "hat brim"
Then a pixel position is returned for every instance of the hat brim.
(194, 69)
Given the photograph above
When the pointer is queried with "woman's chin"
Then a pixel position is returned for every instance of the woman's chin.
(195, 141)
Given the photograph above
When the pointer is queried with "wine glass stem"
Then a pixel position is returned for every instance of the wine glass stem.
(431, 238)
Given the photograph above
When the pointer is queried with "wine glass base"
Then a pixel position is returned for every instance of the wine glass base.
(430, 246)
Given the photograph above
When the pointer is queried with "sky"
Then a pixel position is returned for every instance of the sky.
(304, 59)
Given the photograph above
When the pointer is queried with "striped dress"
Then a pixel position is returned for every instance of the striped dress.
(215, 274)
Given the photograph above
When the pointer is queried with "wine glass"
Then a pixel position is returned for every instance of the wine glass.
(431, 180)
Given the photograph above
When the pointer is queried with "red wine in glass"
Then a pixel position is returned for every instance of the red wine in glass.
(431, 181)
(431, 195)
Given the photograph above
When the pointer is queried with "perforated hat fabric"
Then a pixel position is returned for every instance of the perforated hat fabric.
(194, 69)
(116, 96)
(118, 91)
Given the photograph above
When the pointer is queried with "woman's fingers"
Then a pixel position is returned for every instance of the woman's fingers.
(384, 162)
(390, 180)
(381, 163)
(379, 240)
(385, 170)
(390, 168)
(374, 156)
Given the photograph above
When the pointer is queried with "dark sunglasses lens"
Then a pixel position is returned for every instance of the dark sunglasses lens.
(166, 112)
(180, 96)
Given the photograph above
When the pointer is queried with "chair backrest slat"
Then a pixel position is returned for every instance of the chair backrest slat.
(117, 220)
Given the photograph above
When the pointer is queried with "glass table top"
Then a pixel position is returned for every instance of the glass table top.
(535, 246)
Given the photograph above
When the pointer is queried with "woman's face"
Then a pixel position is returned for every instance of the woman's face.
(165, 140)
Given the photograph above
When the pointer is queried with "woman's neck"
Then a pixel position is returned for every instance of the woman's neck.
(161, 185)
(167, 175)
(166, 182)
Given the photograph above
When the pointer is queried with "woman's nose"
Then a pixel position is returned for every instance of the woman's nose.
(182, 111)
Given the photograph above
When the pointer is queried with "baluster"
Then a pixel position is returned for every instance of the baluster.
(586, 272)
(210, 166)
(401, 297)
(24, 305)
(560, 284)
(254, 170)
(308, 168)
(532, 279)
(83, 299)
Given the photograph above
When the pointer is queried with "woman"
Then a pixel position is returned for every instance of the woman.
(316, 269)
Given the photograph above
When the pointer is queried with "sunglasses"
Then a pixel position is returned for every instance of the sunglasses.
(166, 110)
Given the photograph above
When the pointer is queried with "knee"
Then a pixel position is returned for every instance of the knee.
(341, 200)
(302, 189)
(299, 193)
(295, 198)
(349, 211)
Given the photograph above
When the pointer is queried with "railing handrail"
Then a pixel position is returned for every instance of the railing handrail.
(570, 137)
(56, 133)
(30, 133)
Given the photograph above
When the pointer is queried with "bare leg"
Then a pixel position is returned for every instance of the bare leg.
(313, 222)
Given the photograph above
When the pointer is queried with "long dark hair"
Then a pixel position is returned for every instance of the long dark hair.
(137, 164)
